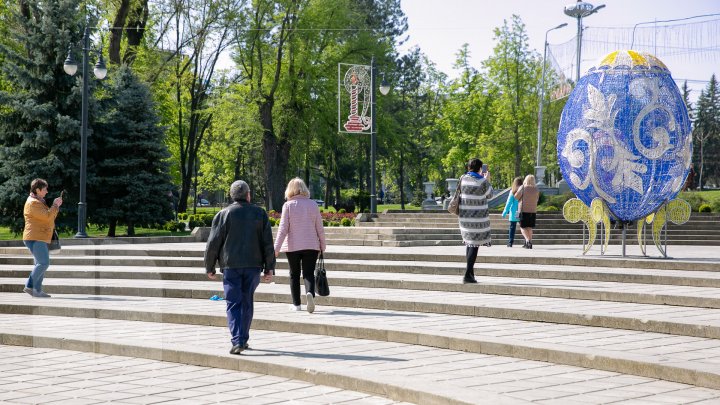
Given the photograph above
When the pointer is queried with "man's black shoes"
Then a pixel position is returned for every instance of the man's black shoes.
(237, 349)
(469, 280)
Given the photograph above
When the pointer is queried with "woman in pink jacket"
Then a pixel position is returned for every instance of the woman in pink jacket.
(302, 237)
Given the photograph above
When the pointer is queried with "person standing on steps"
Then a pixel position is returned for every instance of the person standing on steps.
(474, 218)
(241, 243)
(511, 209)
(528, 195)
(39, 226)
(302, 237)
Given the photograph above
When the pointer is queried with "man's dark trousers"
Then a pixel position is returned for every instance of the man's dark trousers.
(240, 285)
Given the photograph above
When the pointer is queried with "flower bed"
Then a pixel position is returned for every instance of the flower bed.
(329, 218)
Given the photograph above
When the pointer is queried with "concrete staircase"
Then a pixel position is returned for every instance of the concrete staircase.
(437, 228)
(547, 325)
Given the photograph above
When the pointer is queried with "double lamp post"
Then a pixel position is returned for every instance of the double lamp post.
(70, 66)
(384, 90)
(578, 10)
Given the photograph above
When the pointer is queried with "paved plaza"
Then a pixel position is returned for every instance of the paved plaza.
(547, 325)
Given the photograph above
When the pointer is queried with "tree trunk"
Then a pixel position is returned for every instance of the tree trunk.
(111, 228)
(702, 165)
(277, 155)
(402, 180)
(116, 31)
(136, 30)
(131, 229)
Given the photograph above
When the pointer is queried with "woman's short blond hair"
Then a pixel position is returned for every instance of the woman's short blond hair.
(295, 187)
(529, 180)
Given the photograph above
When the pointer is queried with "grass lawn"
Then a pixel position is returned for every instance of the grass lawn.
(93, 232)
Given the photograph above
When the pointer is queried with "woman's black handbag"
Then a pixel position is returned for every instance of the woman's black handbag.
(321, 283)
(54, 241)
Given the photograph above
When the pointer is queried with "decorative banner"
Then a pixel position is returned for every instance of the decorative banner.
(354, 86)
(625, 136)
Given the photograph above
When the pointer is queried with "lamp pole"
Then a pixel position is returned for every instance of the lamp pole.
(373, 138)
(580, 10)
(100, 71)
(384, 90)
(539, 169)
(82, 205)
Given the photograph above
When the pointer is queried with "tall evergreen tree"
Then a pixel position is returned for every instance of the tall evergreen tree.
(707, 133)
(132, 182)
(39, 118)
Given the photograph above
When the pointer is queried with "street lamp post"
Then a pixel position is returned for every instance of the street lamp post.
(539, 169)
(384, 90)
(580, 10)
(100, 71)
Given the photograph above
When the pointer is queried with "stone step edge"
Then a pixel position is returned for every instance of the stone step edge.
(606, 275)
(590, 293)
(685, 372)
(498, 312)
(398, 389)
(99, 257)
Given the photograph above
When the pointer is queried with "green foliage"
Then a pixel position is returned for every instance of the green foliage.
(132, 182)
(706, 134)
(39, 115)
(174, 226)
(346, 222)
(705, 208)
(341, 211)
(418, 198)
(551, 208)
(555, 200)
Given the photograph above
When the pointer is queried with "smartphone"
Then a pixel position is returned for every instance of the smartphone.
(484, 168)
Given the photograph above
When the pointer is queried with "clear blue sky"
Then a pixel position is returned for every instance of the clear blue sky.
(440, 27)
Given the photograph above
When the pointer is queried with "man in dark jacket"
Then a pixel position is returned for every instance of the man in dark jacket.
(241, 242)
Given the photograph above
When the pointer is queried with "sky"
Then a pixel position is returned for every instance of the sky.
(441, 27)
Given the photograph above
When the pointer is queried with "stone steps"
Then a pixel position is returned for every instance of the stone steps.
(395, 370)
(682, 320)
(42, 375)
(399, 323)
(690, 360)
(397, 268)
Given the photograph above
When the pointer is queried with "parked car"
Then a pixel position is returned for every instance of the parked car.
(204, 203)
(320, 203)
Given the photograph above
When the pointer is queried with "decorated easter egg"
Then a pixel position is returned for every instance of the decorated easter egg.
(625, 135)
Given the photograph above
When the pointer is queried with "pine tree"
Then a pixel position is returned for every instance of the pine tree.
(707, 133)
(39, 118)
(132, 181)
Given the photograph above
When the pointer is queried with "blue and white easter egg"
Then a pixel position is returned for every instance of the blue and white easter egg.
(625, 135)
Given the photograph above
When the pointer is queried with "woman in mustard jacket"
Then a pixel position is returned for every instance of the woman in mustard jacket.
(39, 226)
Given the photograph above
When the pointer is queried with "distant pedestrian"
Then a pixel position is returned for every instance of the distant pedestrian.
(474, 218)
(302, 237)
(39, 227)
(528, 196)
(240, 242)
(511, 209)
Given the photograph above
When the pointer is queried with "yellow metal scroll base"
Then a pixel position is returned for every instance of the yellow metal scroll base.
(676, 211)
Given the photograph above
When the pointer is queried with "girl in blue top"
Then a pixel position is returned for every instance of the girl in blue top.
(511, 207)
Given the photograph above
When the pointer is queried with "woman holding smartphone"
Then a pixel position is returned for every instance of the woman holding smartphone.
(473, 218)
(39, 226)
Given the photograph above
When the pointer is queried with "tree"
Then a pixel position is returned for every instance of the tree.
(513, 72)
(131, 185)
(203, 31)
(39, 120)
(130, 21)
(707, 133)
